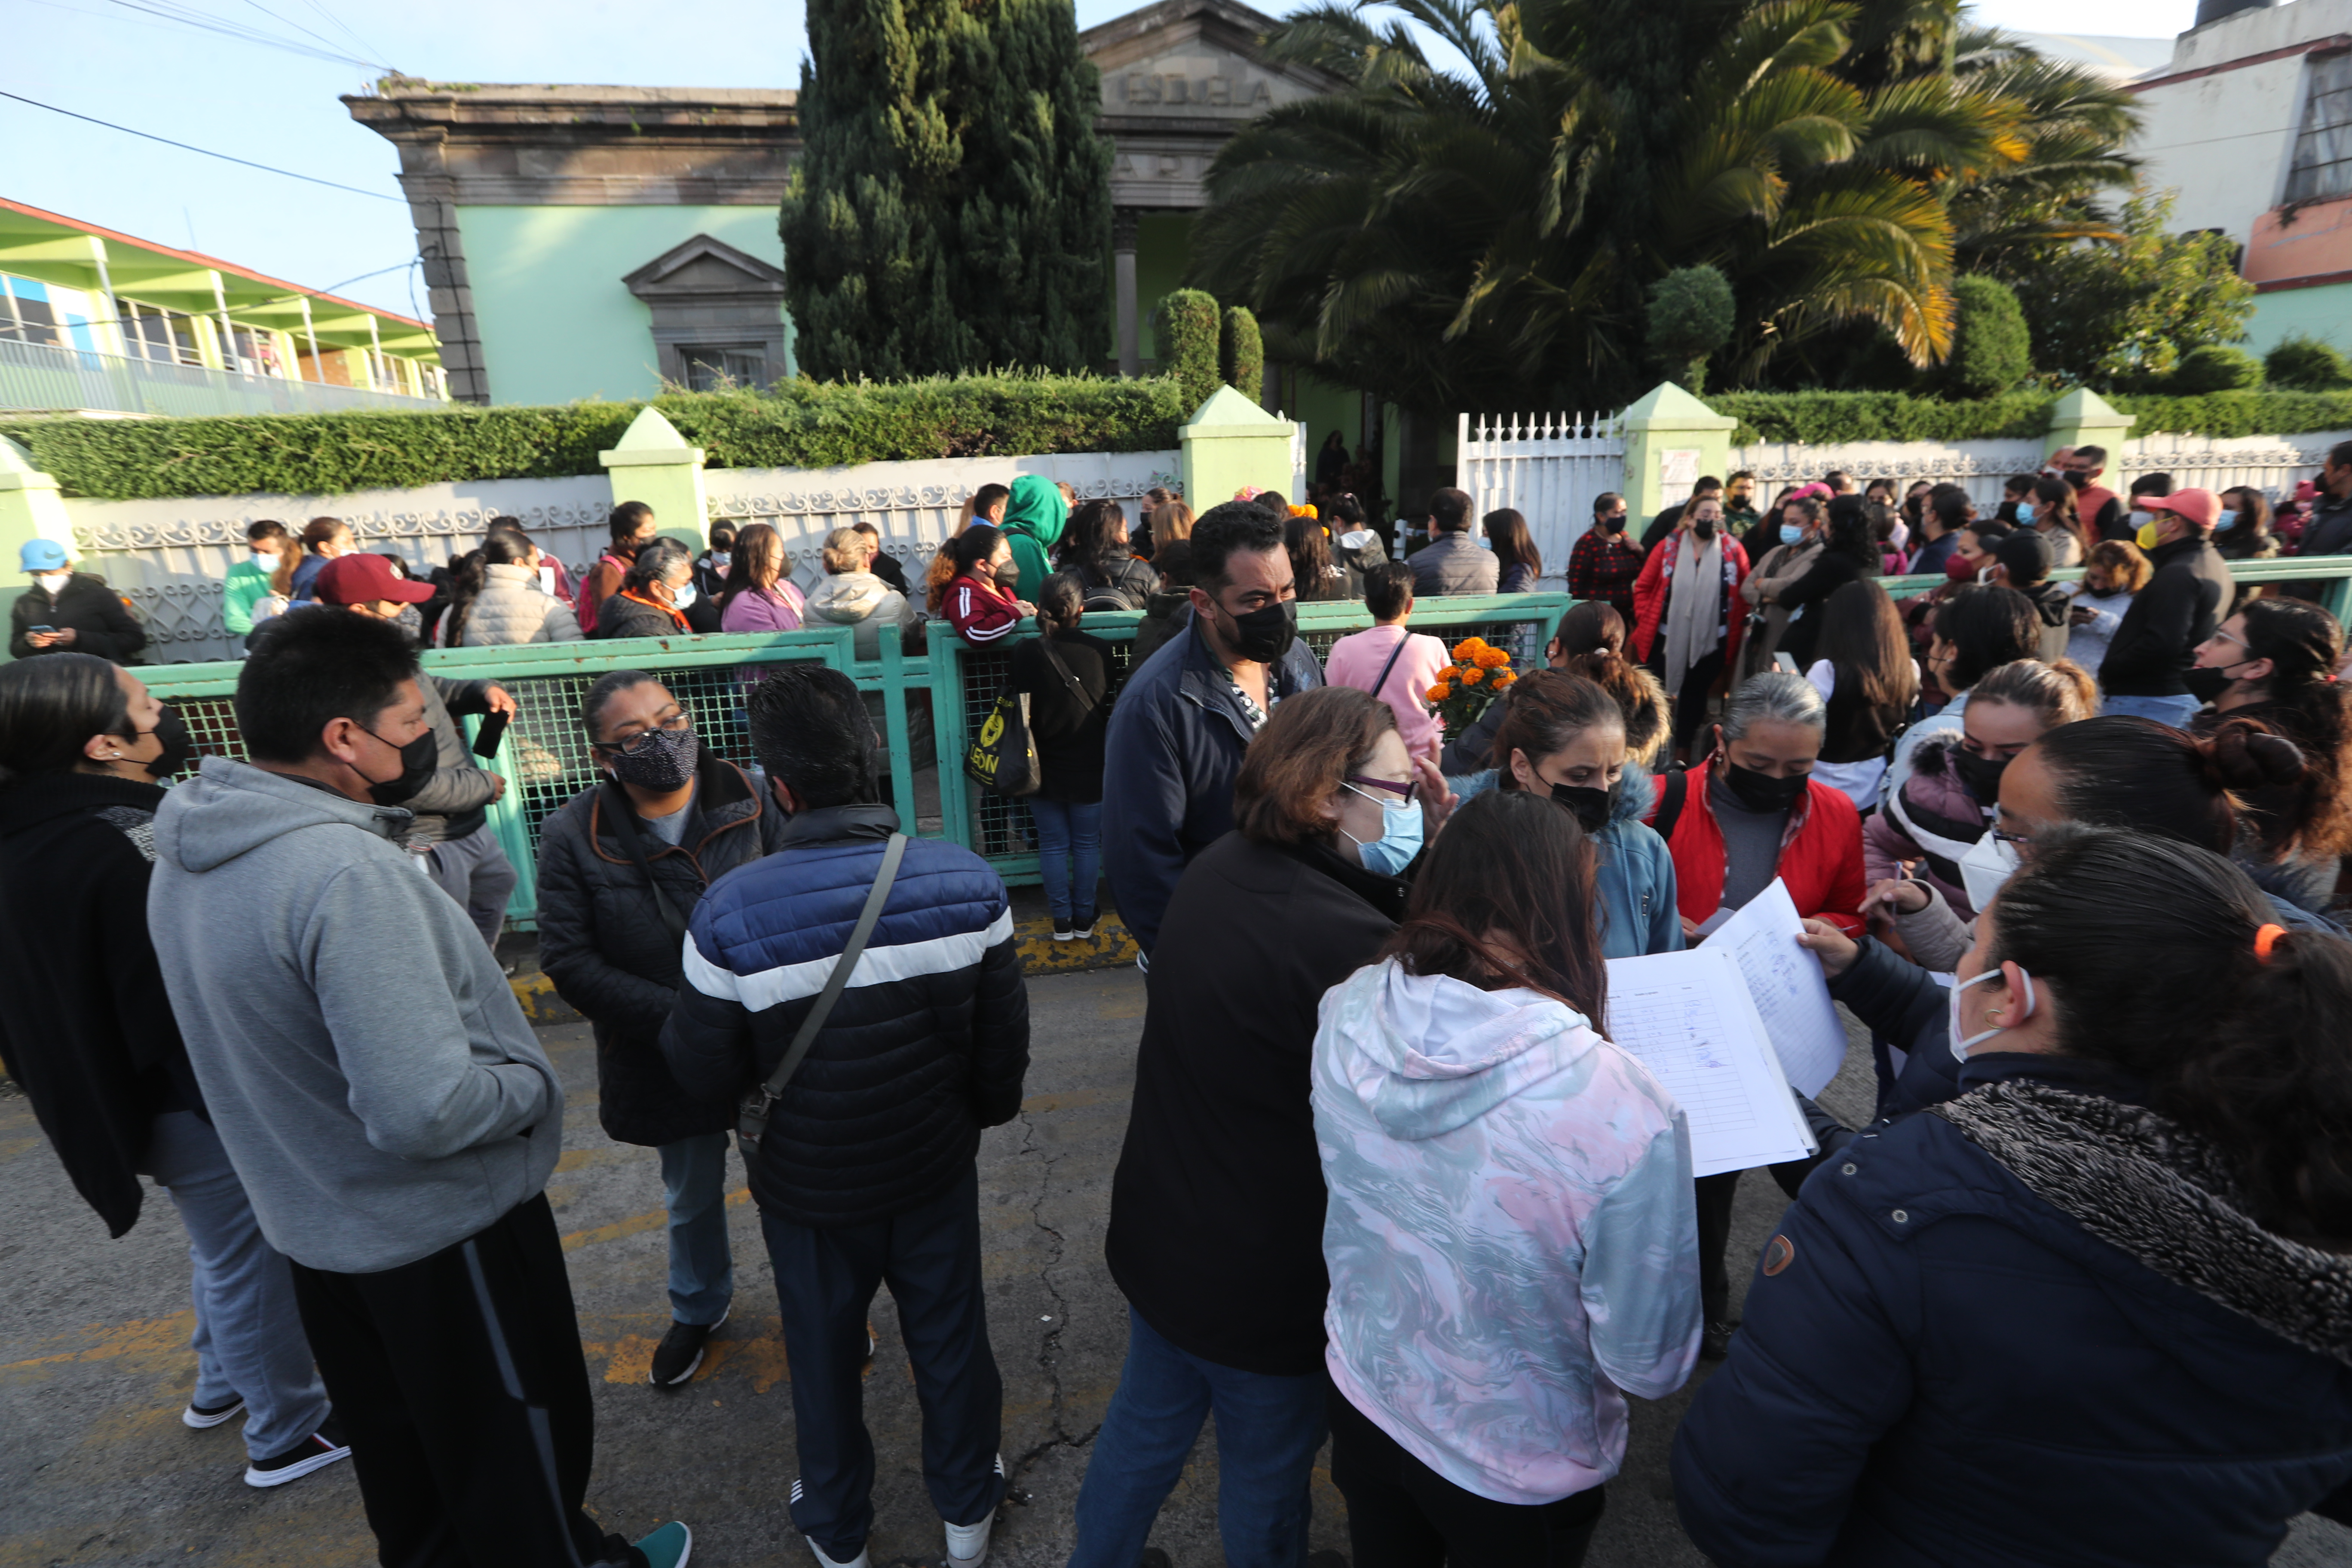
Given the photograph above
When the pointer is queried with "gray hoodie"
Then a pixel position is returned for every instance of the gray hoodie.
(362, 1058)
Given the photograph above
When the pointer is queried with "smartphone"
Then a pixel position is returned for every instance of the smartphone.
(493, 730)
(40, 629)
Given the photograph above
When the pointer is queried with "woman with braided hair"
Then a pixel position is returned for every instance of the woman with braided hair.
(2097, 1307)
(2275, 662)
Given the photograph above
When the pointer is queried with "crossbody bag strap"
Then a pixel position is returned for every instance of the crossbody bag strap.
(1054, 656)
(752, 1120)
(1394, 654)
(625, 827)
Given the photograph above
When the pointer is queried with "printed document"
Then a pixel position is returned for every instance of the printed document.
(1786, 980)
(1690, 1020)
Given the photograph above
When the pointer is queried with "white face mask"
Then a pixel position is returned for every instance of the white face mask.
(720, 559)
(53, 581)
(547, 580)
(265, 559)
(1961, 1048)
(1988, 864)
(682, 598)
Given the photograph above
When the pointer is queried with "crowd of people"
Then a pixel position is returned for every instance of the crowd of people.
(1387, 1182)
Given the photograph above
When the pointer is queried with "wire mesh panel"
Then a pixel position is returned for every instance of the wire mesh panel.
(1000, 825)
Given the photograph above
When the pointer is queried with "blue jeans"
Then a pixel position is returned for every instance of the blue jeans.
(249, 1341)
(1268, 1429)
(2173, 710)
(694, 1188)
(1068, 831)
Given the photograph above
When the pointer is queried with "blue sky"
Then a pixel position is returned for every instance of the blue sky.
(117, 60)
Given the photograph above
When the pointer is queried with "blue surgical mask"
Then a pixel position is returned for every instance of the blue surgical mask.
(1399, 839)
(2228, 520)
(683, 598)
(1485, 542)
(1791, 533)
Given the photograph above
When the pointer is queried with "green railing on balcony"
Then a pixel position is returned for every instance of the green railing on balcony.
(927, 704)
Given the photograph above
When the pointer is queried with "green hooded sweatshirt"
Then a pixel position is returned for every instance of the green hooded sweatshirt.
(1034, 516)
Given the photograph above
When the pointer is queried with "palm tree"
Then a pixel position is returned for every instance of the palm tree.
(1483, 234)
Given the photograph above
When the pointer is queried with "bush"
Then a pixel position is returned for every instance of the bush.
(1992, 352)
(1690, 318)
(1242, 356)
(1187, 331)
(2265, 413)
(1821, 418)
(2215, 367)
(800, 425)
(2307, 364)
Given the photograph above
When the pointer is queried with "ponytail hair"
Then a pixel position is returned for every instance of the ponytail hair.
(2305, 645)
(469, 573)
(2126, 772)
(2059, 693)
(49, 709)
(1511, 865)
(1591, 638)
(2243, 1036)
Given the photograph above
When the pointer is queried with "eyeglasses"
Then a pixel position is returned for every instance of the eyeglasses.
(2002, 836)
(629, 745)
(1409, 791)
(2220, 636)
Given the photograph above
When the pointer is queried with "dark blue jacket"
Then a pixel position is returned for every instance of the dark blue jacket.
(927, 1045)
(1946, 1370)
(1176, 742)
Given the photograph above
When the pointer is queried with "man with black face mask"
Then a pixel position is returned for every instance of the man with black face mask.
(447, 796)
(1182, 721)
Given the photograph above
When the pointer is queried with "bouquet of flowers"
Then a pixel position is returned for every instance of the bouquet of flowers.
(1478, 676)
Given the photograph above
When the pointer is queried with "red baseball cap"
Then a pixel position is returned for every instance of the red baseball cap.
(2203, 508)
(362, 579)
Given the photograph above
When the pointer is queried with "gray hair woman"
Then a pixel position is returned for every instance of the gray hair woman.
(852, 595)
(1749, 813)
(654, 594)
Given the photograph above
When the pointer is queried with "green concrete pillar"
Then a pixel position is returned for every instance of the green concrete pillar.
(2083, 418)
(653, 464)
(1233, 442)
(1671, 439)
(31, 508)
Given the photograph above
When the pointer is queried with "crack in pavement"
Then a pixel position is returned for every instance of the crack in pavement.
(1049, 1348)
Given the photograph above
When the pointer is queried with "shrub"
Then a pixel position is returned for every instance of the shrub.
(1992, 352)
(1242, 356)
(2215, 367)
(800, 425)
(2307, 364)
(2264, 413)
(1821, 418)
(1690, 318)
(1187, 330)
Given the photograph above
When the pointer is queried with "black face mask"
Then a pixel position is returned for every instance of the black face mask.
(1761, 791)
(1981, 774)
(627, 548)
(172, 734)
(417, 761)
(2207, 685)
(1703, 528)
(1008, 576)
(2006, 513)
(1264, 635)
(1611, 525)
(1589, 806)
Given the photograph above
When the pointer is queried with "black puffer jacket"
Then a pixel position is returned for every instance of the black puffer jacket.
(603, 942)
(87, 606)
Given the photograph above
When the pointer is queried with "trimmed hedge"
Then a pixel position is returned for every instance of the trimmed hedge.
(1826, 419)
(801, 425)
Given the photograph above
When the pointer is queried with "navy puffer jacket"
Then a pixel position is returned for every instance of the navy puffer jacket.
(927, 1045)
(1939, 1365)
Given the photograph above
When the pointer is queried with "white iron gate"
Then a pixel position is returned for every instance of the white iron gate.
(1548, 466)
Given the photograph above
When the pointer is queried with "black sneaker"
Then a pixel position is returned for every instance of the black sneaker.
(315, 1452)
(1061, 927)
(203, 1417)
(1085, 925)
(680, 1351)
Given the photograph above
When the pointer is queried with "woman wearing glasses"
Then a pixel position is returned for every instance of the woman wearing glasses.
(620, 868)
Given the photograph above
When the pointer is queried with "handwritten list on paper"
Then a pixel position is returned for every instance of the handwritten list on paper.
(1688, 1017)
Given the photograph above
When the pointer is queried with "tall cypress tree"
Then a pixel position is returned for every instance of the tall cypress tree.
(950, 209)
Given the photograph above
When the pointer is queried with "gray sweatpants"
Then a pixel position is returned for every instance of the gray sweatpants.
(249, 1340)
(474, 871)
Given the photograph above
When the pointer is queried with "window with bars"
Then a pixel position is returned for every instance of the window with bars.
(2322, 147)
(712, 369)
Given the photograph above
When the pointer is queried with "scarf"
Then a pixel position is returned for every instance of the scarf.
(676, 619)
(1694, 607)
(2162, 1195)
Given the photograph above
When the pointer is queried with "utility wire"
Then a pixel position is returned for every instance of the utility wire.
(205, 21)
(207, 151)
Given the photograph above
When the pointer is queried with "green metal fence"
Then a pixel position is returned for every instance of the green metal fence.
(927, 704)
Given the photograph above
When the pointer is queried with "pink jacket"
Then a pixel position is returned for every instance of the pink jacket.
(1356, 660)
(777, 610)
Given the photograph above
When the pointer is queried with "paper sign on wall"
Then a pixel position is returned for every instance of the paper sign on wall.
(1677, 473)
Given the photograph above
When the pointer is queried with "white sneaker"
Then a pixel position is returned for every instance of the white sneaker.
(863, 1560)
(967, 1543)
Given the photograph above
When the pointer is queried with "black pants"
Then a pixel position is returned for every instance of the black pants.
(1403, 1515)
(1714, 1198)
(459, 1381)
(1690, 703)
(825, 1281)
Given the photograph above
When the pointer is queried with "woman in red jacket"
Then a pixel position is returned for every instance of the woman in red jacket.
(1688, 614)
(1748, 813)
(979, 601)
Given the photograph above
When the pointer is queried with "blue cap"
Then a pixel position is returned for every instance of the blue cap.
(42, 555)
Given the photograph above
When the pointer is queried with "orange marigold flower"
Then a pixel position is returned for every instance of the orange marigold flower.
(1440, 693)
(1451, 672)
(1472, 676)
(1492, 659)
(1467, 650)
(1504, 678)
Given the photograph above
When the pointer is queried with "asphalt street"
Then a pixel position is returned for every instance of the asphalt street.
(96, 1468)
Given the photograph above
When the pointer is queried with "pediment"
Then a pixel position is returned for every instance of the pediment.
(704, 266)
(1194, 60)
